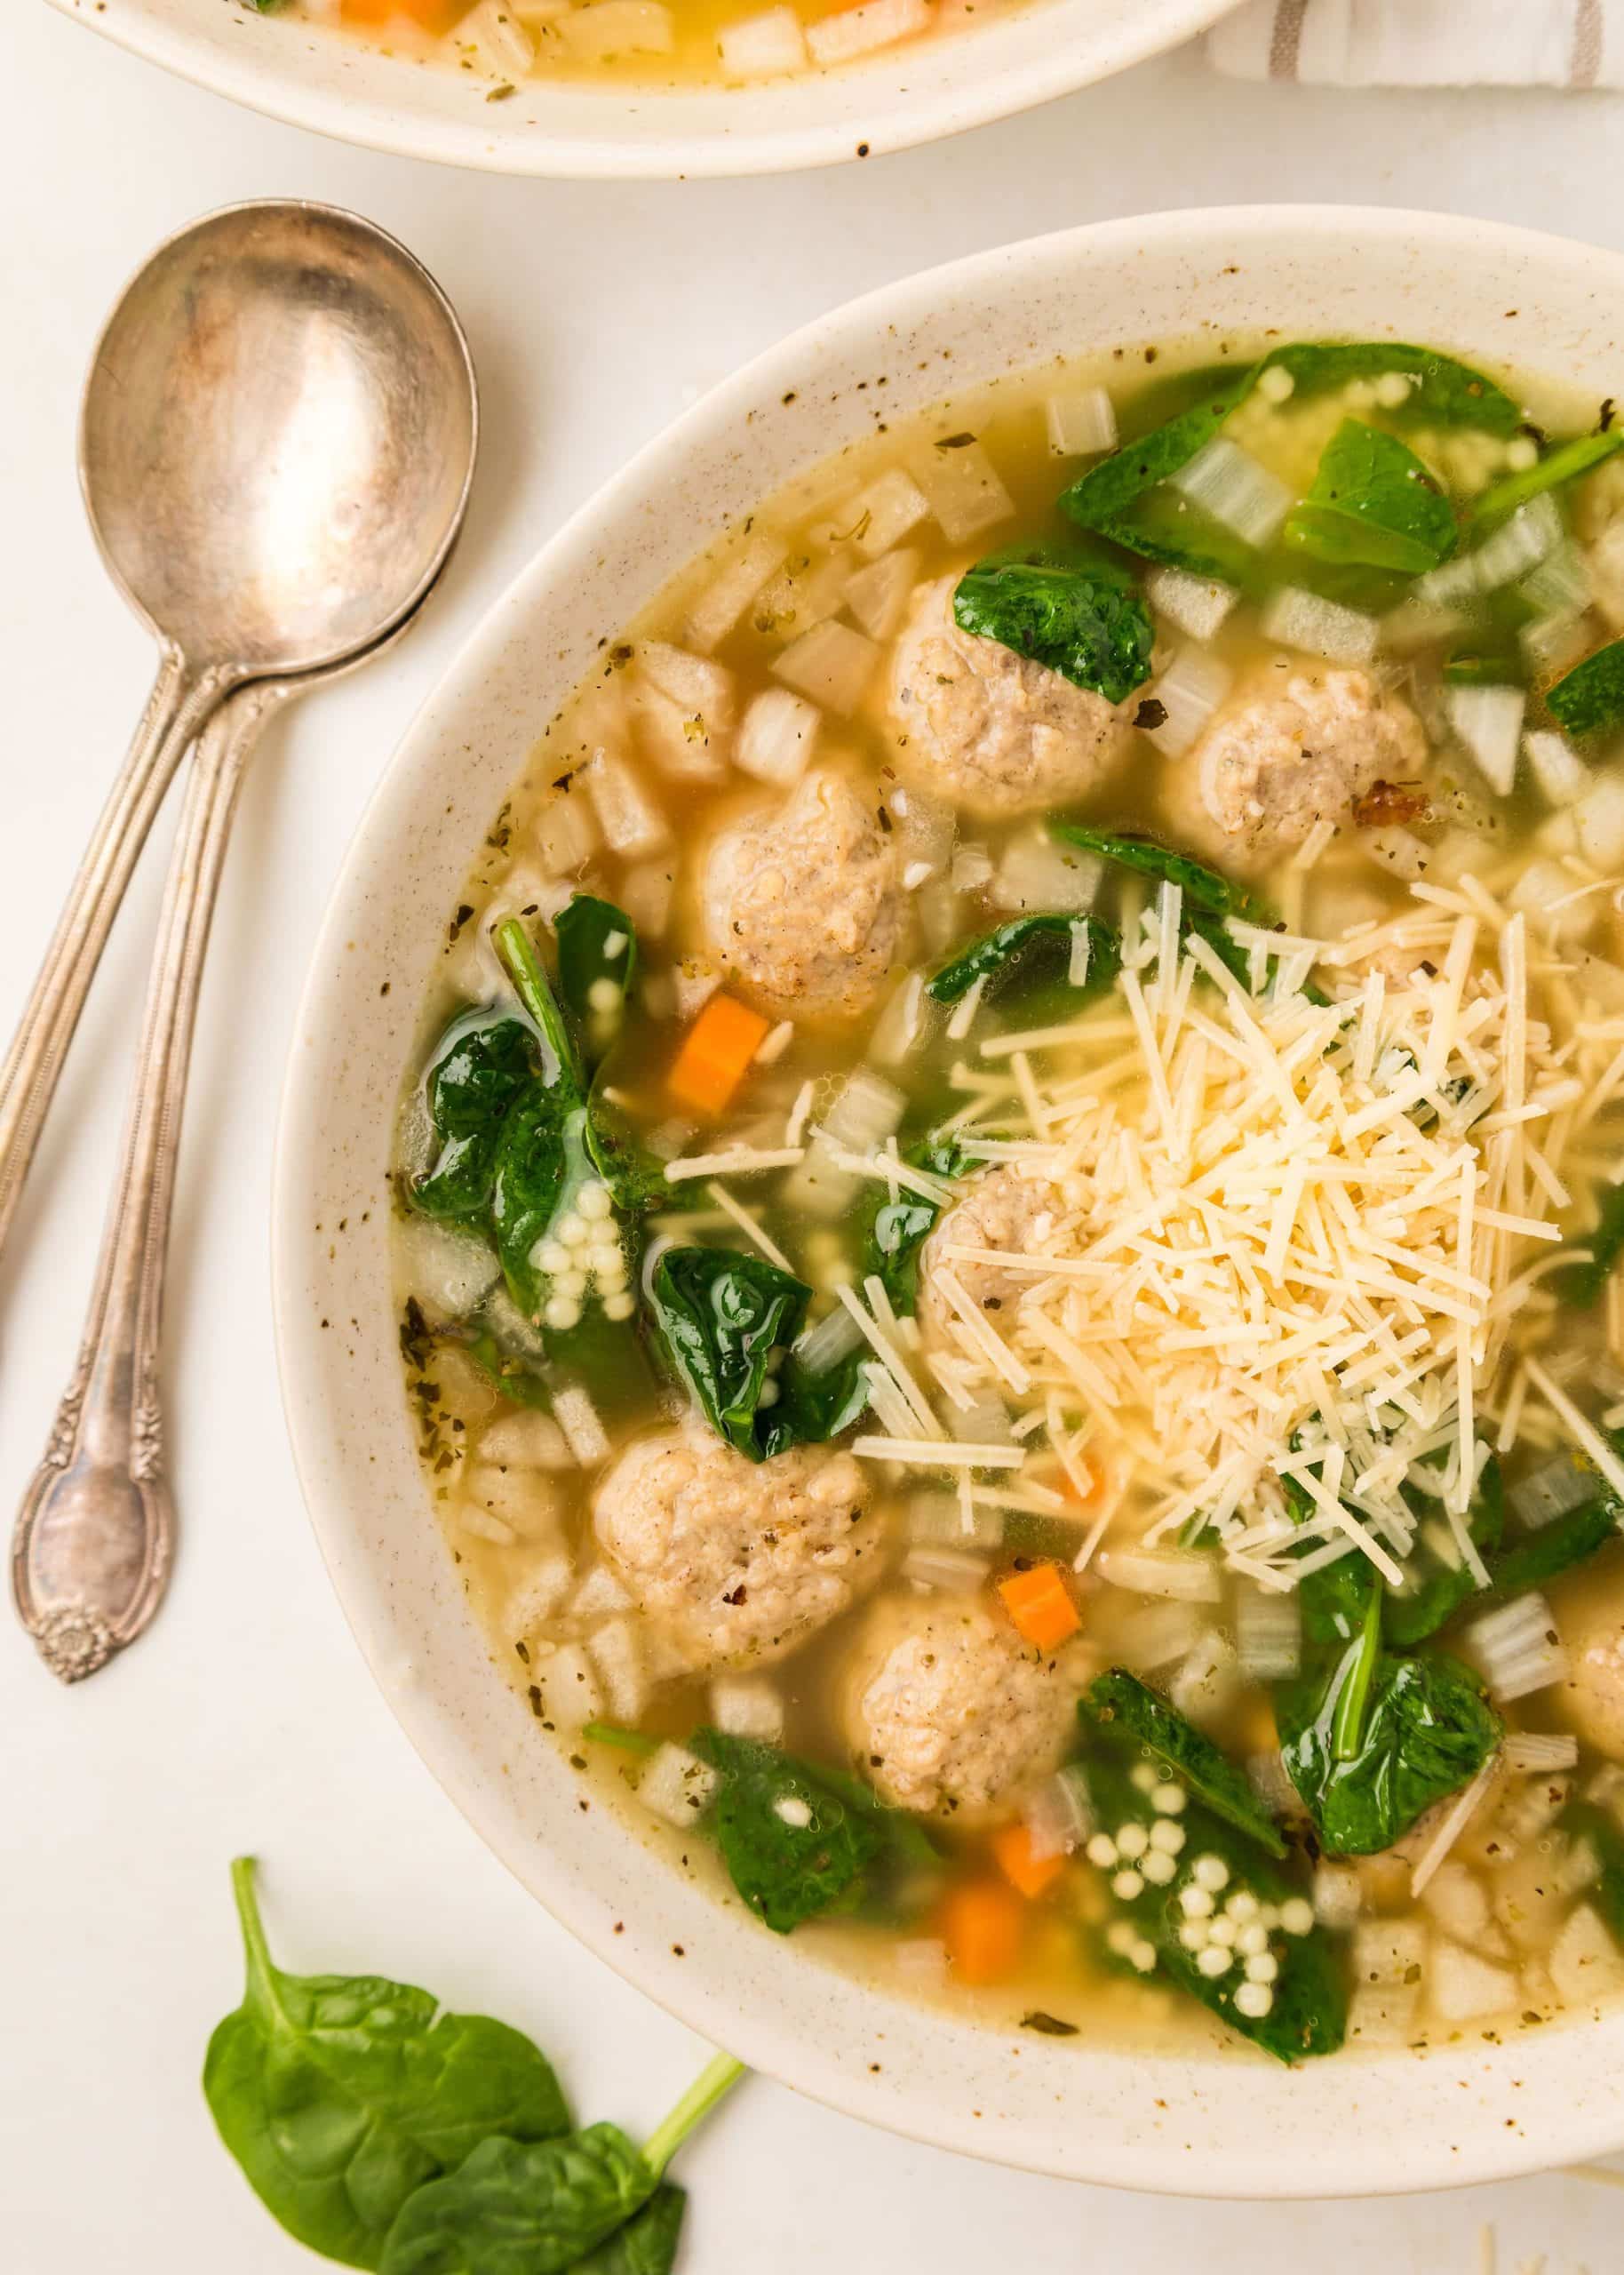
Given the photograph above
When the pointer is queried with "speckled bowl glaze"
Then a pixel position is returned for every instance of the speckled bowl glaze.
(1213, 2123)
(917, 93)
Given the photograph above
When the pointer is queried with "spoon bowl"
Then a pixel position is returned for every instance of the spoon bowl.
(278, 437)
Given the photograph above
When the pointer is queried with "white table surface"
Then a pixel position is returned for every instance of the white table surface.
(246, 1720)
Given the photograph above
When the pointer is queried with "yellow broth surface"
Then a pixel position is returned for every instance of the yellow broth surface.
(1242, 1298)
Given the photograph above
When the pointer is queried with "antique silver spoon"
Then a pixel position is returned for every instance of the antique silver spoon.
(361, 325)
(275, 446)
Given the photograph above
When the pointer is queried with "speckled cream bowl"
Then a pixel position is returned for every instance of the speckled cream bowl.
(1213, 2123)
(918, 93)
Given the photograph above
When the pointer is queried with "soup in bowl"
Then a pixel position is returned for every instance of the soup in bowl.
(1000, 1220)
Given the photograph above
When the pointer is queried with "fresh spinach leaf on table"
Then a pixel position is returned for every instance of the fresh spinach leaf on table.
(340, 2095)
(648, 2243)
(1085, 620)
(1371, 502)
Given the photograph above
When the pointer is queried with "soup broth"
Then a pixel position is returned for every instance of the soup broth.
(1008, 1206)
(499, 44)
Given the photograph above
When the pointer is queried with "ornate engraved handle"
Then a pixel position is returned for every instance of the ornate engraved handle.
(95, 1534)
(181, 698)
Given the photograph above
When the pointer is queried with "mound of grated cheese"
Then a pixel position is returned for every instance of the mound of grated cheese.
(1292, 1239)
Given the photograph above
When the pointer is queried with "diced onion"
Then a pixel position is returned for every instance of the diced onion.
(577, 1418)
(866, 1113)
(1230, 484)
(720, 605)
(1081, 423)
(1198, 605)
(1535, 1753)
(778, 736)
(877, 596)
(1585, 1963)
(677, 1785)
(949, 1571)
(1320, 627)
(569, 1693)
(832, 664)
(859, 31)
(1463, 1988)
(833, 1339)
(886, 510)
(490, 39)
(1059, 1814)
(1189, 690)
(1165, 1572)
(617, 1656)
(1268, 1633)
(1560, 585)
(1337, 1895)
(1551, 1490)
(1518, 1648)
(1519, 545)
(1545, 890)
(1036, 873)
(695, 681)
(962, 484)
(763, 46)
(612, 27)
(747, 1706)
(631, 821)
(446, 1270)
(1489, 721)
(1557, 768)
(1599, 815)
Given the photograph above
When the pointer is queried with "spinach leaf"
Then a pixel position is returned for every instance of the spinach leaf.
(482, 1064)
(788, 1871)
(1565, 464)
(648, 2243)
(1469, 667)
(597, 950)
(722, 1316)
(1119, 1699)
(1585, 1820)
(340, 2096)
(532, 1162)
(1428, 1729)
(1122, 497)
(517, 951)
(1027, 948)
(813, 1407)
(1203, 888)
(545, 2209)
(1581, 1283)
(897, 1230)
(1555, 1548)
(1089, 623)
(1590, 700)
(517, 2208)
(1372, 502)
(1307, 2015)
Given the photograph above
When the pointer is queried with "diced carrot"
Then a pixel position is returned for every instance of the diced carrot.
(1012, 1847)
(980, 1922)
(716, 1053)
(433, 13)
(1040, 1605)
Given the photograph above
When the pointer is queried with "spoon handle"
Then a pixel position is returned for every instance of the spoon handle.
(95, 1534)
(182, 698)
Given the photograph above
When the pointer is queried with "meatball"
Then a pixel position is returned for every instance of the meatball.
(1002, 1208)
(736, 1561)
(947, 1708)
(802, 901)
(1590, 1698)
(1279, 758)
(988, 729)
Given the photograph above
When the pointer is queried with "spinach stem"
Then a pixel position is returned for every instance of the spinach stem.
(719, 2076)
(1360, 1668)
(628, 1741)
(248, 1913)
(522, 965)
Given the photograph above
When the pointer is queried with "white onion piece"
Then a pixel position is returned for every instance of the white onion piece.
(577, 1418)
(617, 1656)
(1546, 891)
(695, 681)
(1533, 532)
(1599, 815)
(1560, 585)
(866, 1111)
(1585, 1964)
(1461, 1987)
(631, 823)
(447, 1271)
(677, 1785)
(489, 38)
(568, 1688)
(762, 46)
(778, 736)
(1534, 1753)
(886, 510)
(937, 1521)
(1551, 1490)
(1267, 1633)
(878, 595)
(1337, 1895)
(946, 1571)
(1189, 690)
(1489, 721)
(962, 484)
(833, 1339)
(1162, 1572)
(1198, 605)
(832, 664)
(1320, 627)
(1036, 873)
(1059, 1814)
(1230, 484)
(859, 31)
(1518, 1648)
(746, 1706)
(612, 27)
(760, 558)
(1560, 772)
(1081, 424)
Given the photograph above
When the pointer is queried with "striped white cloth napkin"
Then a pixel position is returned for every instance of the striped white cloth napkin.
(1425, 42)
